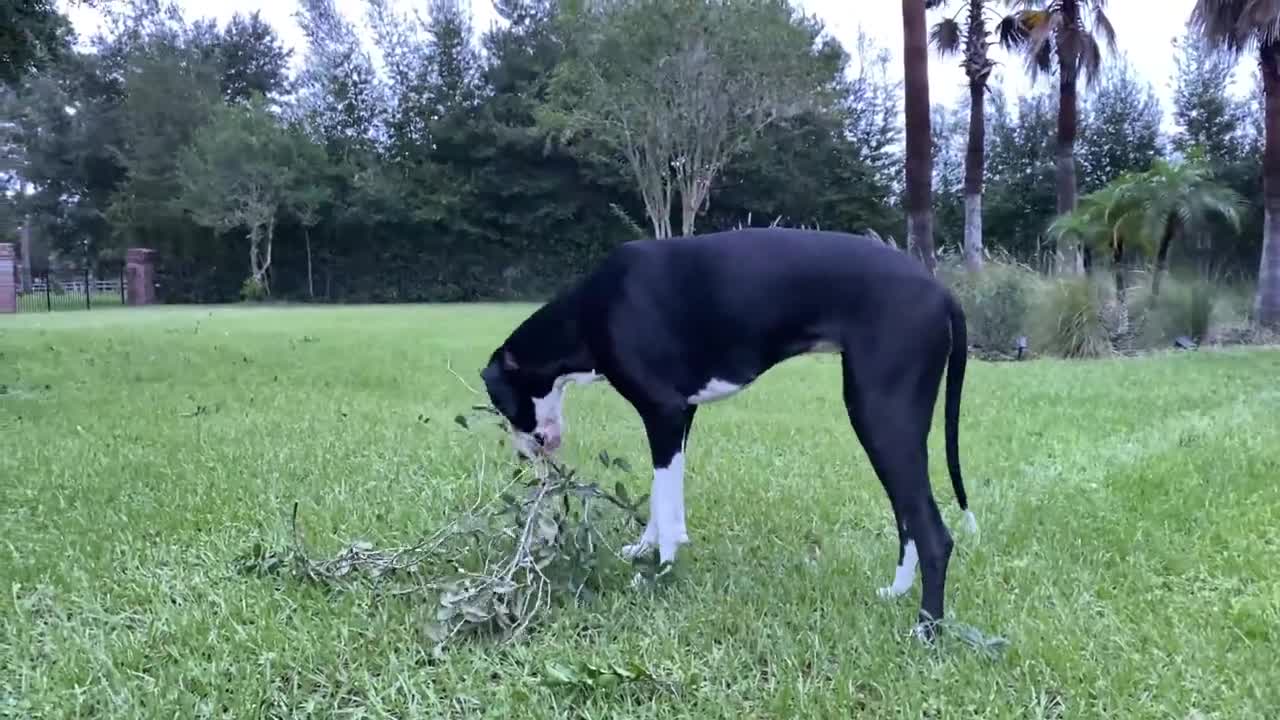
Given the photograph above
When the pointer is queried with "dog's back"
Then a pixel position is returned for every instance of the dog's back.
(792, 288)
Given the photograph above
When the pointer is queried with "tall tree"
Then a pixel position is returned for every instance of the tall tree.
(971, 39)
(919, 138)
(532, 186)
(1239, 26)
(1020, 172)
(680, 87)
(1119, 128)
(341, 102)
(33, 35)
(340, 97)
(244, 170)
(949, 128)
(1214, 123)
(170, 88)
(252, 58)
(826, 170)
(1066, 36)
(1206, 114)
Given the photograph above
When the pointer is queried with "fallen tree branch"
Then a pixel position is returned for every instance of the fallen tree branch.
(496, 569)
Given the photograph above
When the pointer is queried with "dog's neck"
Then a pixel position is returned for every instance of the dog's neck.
(550, 340)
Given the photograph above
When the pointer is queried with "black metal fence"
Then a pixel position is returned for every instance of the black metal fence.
(83, 288)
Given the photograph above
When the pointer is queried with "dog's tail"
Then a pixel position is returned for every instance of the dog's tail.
(955, 381)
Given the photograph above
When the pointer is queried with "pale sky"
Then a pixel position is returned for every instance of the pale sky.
(1144, 36)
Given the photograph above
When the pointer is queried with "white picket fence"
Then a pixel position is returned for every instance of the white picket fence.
(96, 286)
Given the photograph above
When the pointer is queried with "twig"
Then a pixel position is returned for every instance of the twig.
(449, 365)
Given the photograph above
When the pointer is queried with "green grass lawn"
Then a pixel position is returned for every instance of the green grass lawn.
(1129, 514)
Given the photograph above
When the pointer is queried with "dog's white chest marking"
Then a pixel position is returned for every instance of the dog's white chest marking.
(548, 413)
(548, 409)
(715, 389)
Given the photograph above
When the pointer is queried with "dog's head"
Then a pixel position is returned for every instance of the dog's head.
(529, 400)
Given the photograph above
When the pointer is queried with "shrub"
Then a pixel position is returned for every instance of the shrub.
(1184, 308)
(1076, 317)
(996, 300)
(252, 291)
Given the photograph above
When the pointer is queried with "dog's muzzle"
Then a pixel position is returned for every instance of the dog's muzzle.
(538, 443)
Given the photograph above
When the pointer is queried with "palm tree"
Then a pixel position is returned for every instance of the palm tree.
(1180, 199)
(1147, 211)
(1105, 218)
(1070, 32)
(1240, 26)
(919, 141)
(971, 40)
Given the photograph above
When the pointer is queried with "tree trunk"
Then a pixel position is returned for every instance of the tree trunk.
(311, 285)
(266, 265)
(974, 159)
(689, 202)
(1068, 122)
(919, 141)
(1267, 302)
(695, 188)
(255, 271)
(1117, 269)
(1162, 255)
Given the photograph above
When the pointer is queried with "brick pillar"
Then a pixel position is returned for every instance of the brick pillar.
(8, 280)
(24, 255)
(140, 276)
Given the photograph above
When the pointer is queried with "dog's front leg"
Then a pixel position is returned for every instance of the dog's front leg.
(666, 527)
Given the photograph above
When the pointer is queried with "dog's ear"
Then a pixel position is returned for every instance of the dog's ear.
(509, 360)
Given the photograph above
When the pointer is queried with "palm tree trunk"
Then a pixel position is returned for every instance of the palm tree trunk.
(1068, 122)
(1267, 302)
(919, 160)
(974, 159)
(1118, 270)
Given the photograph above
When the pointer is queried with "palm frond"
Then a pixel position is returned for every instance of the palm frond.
(1235, 26)
(1038, 22)
(1128, 229)
(1223, 202)
(1041, 61)
(945, 37)
(1102, 27)
(1011, 33)
(1038, 28)
(1261, 17)
(931, 4)
(1090, 58)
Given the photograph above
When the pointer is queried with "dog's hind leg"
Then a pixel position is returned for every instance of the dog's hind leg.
(890, 409)
(682, 532)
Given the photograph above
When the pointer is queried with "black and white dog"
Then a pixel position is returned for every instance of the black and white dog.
(674, 323)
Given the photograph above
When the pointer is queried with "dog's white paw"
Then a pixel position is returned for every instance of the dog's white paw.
(635, 550)
(904, 576)
(890, 592)
(646, 543)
